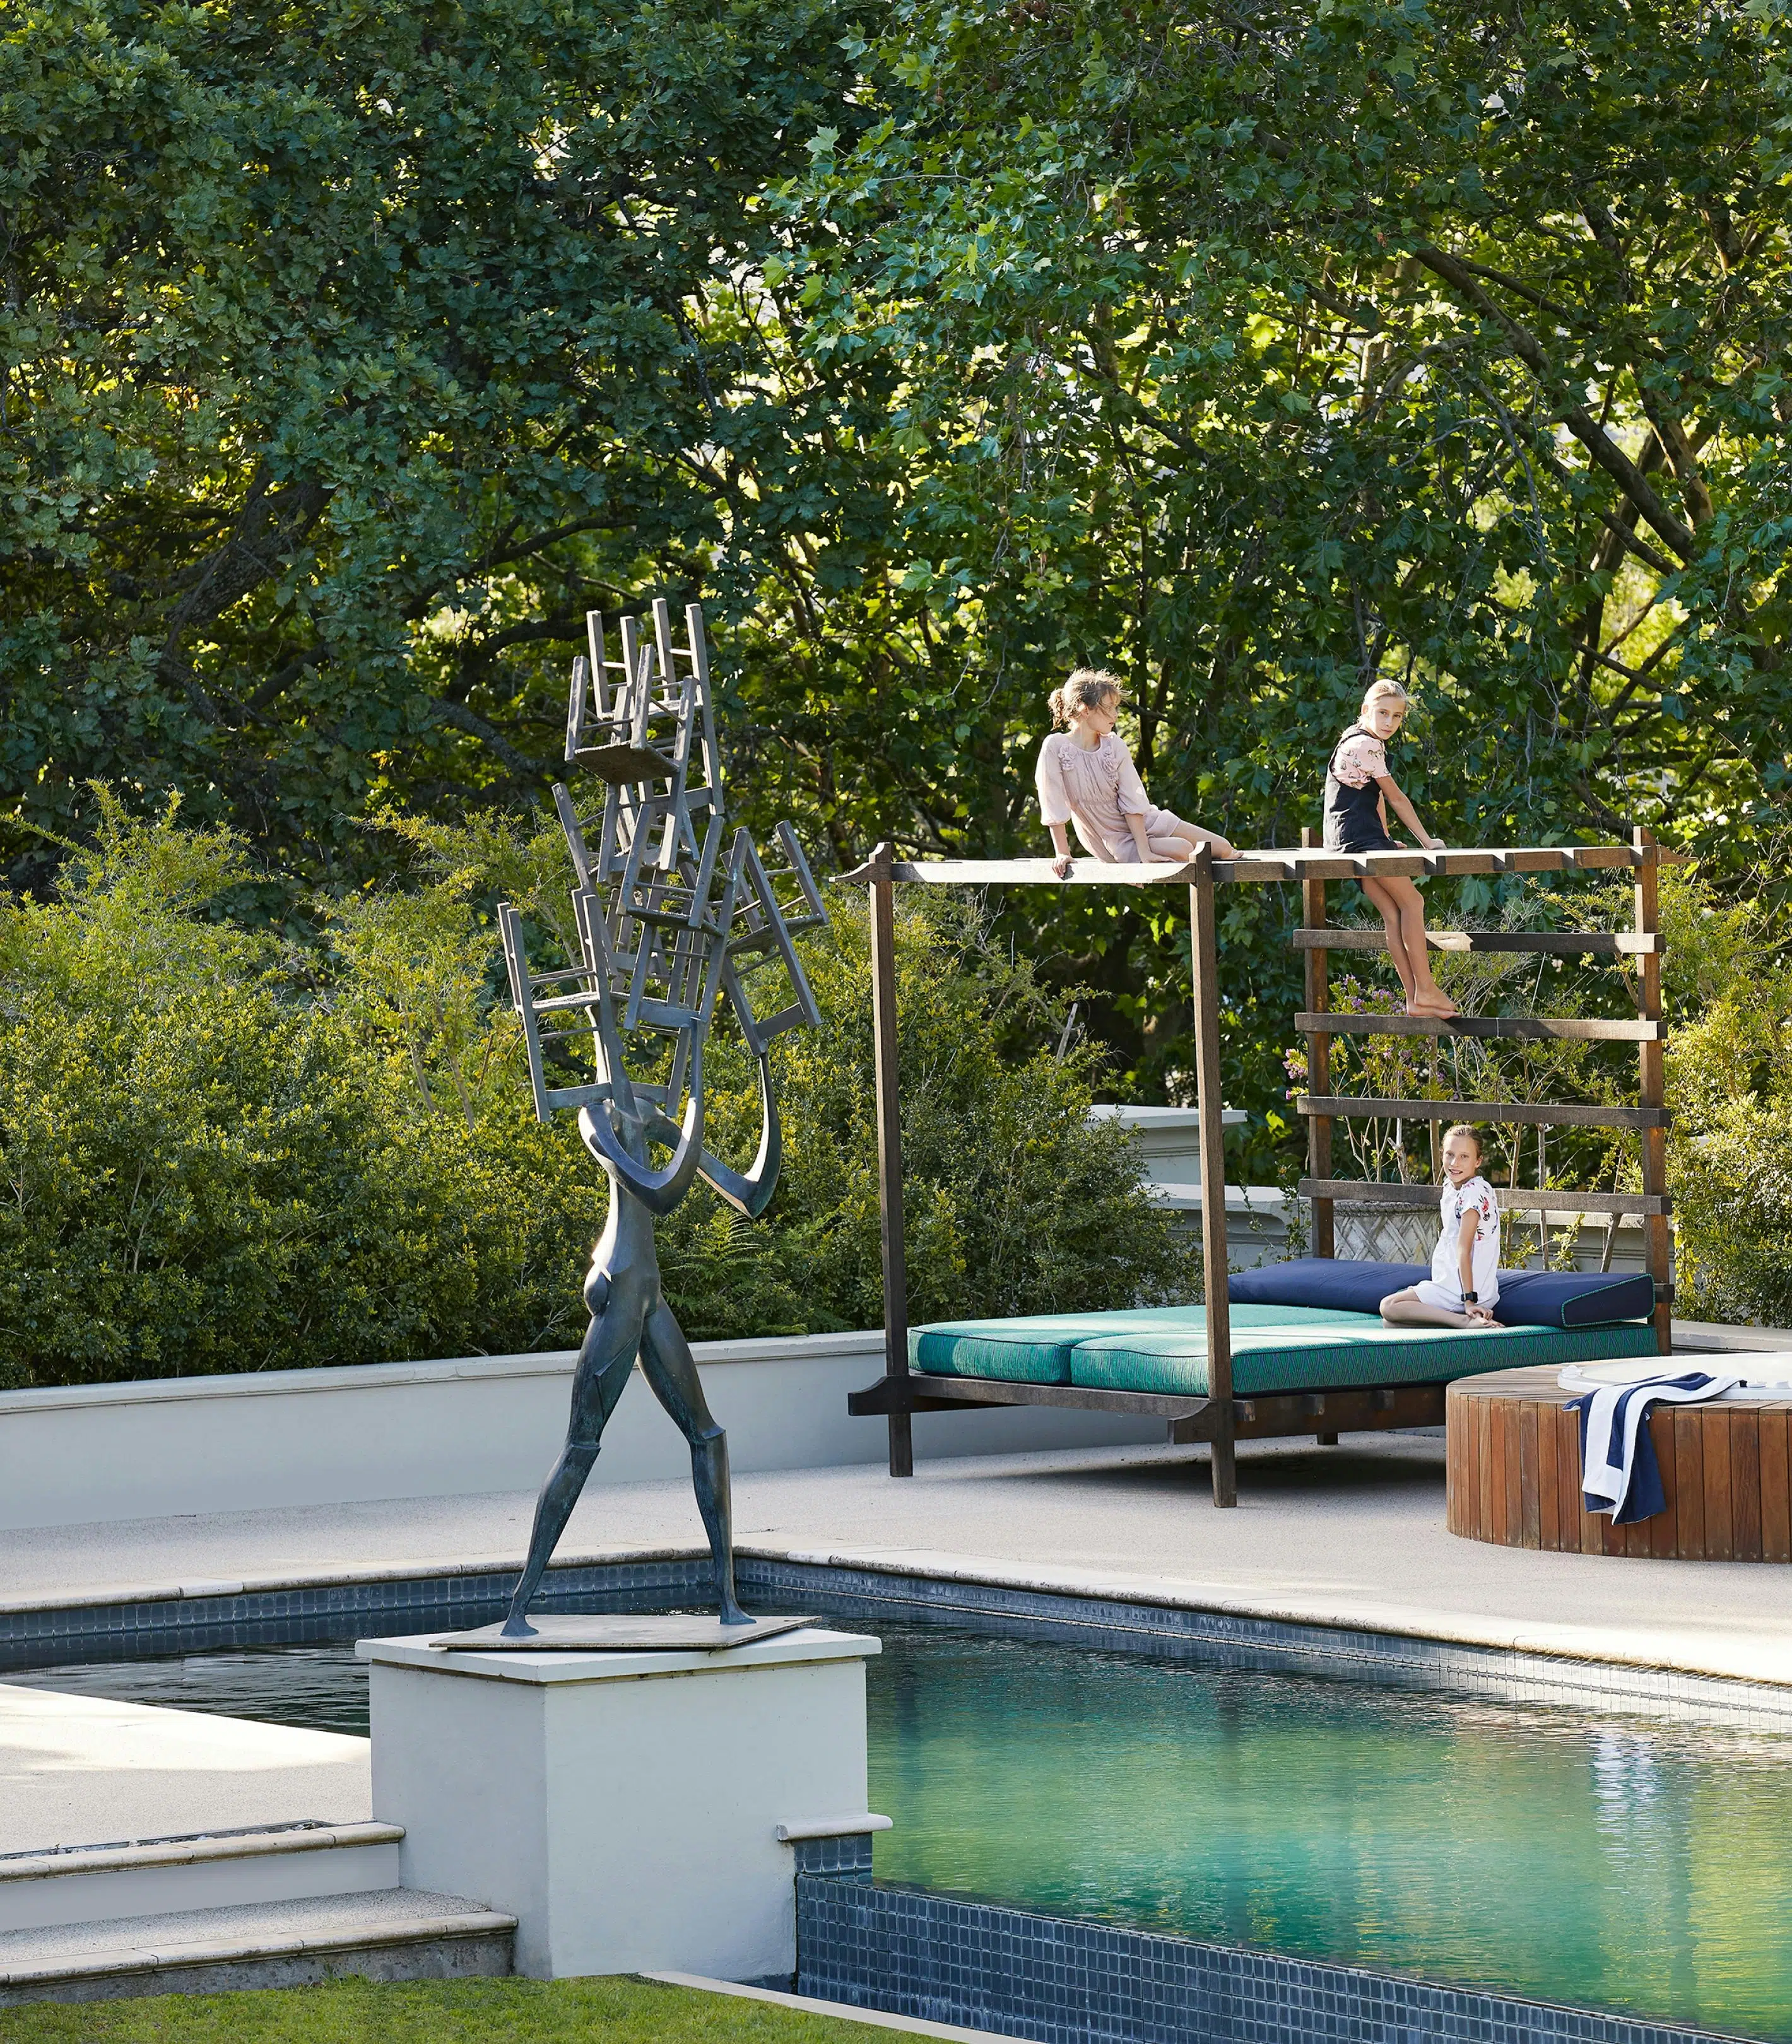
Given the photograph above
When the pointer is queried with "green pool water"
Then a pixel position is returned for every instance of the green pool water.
(1634, 1865)
(1619, 1864)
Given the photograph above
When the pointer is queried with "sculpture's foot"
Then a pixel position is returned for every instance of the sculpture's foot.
(732, 1614)
(517, 1627)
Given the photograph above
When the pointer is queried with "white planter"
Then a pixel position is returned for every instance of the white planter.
(270, 1438)
(1169, 1138)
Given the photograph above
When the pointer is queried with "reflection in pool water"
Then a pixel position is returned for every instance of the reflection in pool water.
(1622, 1864)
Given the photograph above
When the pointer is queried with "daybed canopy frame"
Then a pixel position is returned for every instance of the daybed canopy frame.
(1219, 1417)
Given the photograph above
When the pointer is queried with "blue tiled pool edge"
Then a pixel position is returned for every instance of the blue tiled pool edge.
(860, 1591)
(1065, 1981)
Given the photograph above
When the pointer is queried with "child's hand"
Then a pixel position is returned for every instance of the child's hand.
(1061, 865)
(1482, 1315)
(1434, 845)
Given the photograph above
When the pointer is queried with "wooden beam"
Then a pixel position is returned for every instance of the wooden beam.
(1268, 1415)
(919, 1392)
(1506, 1028)
(1273, 865)
(1362, 1107)
(1528, 1199)
(1560, 944)
(1204, 958)
(1651, 1089)
(1347, 1409)
(1324, 1241)
(889, 1154)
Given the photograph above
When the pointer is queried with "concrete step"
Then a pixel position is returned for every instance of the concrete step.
(390, 1933)
(41, 1890)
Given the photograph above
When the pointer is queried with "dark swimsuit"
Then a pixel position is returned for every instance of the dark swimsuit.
(1353, 817)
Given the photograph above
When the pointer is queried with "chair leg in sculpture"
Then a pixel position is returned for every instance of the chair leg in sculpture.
(611, 1344)
(671, 1370)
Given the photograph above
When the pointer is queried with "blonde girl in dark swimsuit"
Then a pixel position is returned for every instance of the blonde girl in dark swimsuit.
(1359, 791)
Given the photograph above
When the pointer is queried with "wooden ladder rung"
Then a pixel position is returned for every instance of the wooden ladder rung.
(1506, 1028)
(1559, 944)
(1362, 1106)
(1528, 1199)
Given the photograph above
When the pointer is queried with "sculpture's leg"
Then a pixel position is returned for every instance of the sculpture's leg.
(671, 1370)
(611, 1343)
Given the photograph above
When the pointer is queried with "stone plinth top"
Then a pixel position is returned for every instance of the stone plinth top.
(532, 1665)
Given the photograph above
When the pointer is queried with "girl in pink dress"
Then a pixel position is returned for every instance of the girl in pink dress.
(1086, 775)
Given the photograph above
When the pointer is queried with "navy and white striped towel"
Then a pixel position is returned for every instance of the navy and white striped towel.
(1618, 1470)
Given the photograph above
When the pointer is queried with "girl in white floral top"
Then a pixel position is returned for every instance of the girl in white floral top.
(1085, 774)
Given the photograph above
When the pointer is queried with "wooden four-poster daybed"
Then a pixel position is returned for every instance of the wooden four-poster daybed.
(1218, 1374)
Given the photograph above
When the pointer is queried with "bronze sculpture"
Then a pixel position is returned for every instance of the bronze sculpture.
(668, 923)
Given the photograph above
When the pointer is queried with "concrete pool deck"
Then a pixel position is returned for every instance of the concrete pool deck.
(1351, 1535)
(84, 1771)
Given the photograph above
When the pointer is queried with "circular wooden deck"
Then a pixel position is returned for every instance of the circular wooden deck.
(1513, 1458)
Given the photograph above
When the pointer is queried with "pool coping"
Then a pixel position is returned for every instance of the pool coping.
(1544, 1664)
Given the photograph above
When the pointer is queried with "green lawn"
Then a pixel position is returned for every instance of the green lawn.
(611, 2011)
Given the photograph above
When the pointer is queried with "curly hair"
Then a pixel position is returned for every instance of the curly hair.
(1089, 688)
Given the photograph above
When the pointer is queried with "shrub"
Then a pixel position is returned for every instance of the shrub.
(1729, 1085)
(223, 1150)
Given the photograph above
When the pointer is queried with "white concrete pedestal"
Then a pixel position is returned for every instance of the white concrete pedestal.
(623, 1806)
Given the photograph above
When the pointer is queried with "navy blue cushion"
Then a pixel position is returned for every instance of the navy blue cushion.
(1574, 1298)
(1527, 1299)
(1323, 1281)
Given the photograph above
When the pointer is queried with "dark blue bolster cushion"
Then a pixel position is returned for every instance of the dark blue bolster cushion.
(1527, 1299)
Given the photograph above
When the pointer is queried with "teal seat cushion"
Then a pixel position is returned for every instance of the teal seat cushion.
(1034, 1349)
(1292, 1348)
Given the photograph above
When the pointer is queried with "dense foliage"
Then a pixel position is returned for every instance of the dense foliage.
(220, 1151)
(351, 354)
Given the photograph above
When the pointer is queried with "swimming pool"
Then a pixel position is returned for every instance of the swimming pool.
(1625, 1864)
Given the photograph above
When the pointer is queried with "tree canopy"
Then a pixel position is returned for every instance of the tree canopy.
(937, 345)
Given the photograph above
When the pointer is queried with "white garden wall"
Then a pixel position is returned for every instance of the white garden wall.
(299, 1437)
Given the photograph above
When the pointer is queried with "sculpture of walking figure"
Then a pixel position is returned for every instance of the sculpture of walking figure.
(666, 927)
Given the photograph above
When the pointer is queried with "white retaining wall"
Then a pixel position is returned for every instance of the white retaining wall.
(298, 1437)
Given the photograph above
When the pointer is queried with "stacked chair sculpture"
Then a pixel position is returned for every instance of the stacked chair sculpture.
(674, 913)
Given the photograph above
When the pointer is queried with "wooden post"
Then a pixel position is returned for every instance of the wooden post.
(1651, 1090)
(1204, 957)
(890, 1152)
(1318, 1058)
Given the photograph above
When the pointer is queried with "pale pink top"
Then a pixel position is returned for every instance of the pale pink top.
(1359, 759)
(1099, 787)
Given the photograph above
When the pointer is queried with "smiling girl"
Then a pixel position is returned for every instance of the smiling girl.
(1359, 791)
(1464, 1283)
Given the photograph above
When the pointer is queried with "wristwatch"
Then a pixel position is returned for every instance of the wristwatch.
(1471, 1298)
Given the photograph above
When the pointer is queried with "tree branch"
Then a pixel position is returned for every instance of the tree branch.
(463, 719)
(1598, 444)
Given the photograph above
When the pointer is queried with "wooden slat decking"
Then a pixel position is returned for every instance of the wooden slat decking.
(1308, 863)
(1513, 1474)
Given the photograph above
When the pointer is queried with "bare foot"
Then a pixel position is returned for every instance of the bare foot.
(1435, 1006)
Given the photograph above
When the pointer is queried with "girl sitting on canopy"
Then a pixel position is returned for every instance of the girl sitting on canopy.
(1086, 775)
(1359, 791)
